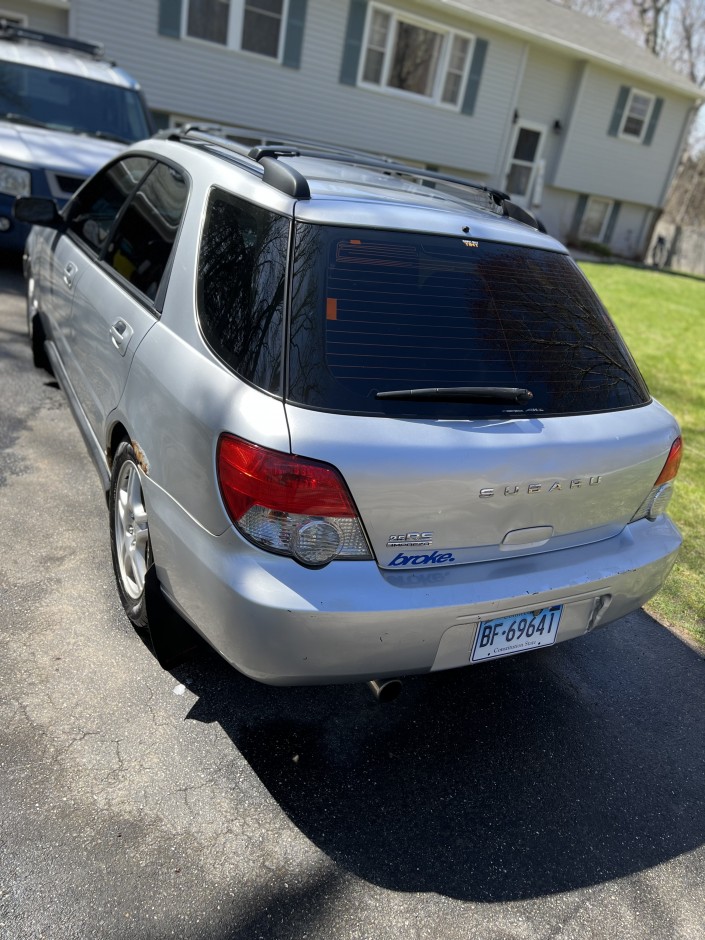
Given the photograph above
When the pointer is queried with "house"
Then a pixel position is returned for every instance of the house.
(560, 110)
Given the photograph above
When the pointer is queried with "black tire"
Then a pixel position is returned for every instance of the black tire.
(37, 336)
(129, 535)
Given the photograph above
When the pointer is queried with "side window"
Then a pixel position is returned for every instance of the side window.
(141, 244)
(93, 211)
(241, 276)
(636, 114)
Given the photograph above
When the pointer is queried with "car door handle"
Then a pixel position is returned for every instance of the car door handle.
(120, 333)
(70, 272)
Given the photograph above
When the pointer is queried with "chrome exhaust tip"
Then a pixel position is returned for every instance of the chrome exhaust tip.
(385, 690)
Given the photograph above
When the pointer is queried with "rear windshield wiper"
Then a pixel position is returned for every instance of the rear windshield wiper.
(459, 394)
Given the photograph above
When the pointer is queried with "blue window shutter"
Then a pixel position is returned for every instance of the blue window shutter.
(294, 33)
(611, 222)
(577, 217)
(653, 121)
(473, 84)
(618, 112)
(357, 15)
(170, 18)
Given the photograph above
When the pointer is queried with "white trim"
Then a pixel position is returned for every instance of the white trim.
(625, 115)
(541, 129)
(447, 35)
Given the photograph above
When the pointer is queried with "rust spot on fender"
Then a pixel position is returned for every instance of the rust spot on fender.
(142, 461)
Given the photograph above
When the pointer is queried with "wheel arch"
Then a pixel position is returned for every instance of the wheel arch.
(118, 434)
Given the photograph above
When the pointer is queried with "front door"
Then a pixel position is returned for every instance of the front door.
(527, 144)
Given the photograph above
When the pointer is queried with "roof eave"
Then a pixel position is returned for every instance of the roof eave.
(681, 86)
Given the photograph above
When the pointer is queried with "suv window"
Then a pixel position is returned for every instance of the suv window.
(241, 274)
(96, 206)
(382, 311)
(140, 247)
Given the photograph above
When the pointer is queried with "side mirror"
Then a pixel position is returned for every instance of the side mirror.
(37, 210)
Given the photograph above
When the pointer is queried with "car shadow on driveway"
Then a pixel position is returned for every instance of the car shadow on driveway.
(516, 779)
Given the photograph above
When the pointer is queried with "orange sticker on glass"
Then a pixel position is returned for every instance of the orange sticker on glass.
(331, 308)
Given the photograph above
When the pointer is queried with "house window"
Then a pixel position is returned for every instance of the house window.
(594, 222)
(262, 26)
(415, 58)
(636, 115)
(248, 25)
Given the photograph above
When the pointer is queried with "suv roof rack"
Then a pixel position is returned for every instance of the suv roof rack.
(14, 32)
(286, 178)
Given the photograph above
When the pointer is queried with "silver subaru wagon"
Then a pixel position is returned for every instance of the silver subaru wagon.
(353, 419)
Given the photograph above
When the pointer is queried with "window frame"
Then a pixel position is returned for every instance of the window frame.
(540, 129)
(442, 68)
(236, 23)
(605, 222)
(633, 92)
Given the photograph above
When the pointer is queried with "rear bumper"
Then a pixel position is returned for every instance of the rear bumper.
(286, 625)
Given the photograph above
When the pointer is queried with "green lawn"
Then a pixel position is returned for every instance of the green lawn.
(662, 318)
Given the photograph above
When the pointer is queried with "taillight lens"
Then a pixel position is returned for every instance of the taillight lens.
(660, 496)
(290, 505)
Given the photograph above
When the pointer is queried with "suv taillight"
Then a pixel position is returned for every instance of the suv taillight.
(662, 490)
(289, 505)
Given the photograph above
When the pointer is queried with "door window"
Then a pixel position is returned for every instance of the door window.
(95, 208)
(141, 244)
(523, 163)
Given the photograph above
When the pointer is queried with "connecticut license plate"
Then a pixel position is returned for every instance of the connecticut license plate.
(516, 634)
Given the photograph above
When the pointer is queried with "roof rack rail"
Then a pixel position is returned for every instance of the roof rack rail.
(12, 31)
(279, 175)
(286, 178)
(392, 166)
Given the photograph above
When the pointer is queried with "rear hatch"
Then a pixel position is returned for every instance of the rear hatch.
(476, 397)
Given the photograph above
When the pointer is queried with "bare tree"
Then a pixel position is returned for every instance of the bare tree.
(654, 20)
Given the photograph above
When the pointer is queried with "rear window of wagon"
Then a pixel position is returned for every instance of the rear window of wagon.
(381, 311)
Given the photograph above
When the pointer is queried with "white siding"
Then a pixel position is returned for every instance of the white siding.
(207, 82)
(547, 92)
(213, 83)
(556, 212)
(593, 162)
(628, 236)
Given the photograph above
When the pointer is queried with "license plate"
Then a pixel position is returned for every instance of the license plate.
(506, 635)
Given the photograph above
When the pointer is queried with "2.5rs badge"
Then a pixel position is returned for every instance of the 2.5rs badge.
(410, 539)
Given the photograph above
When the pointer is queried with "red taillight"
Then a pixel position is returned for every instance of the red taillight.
(670, 468)
(250, 475)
